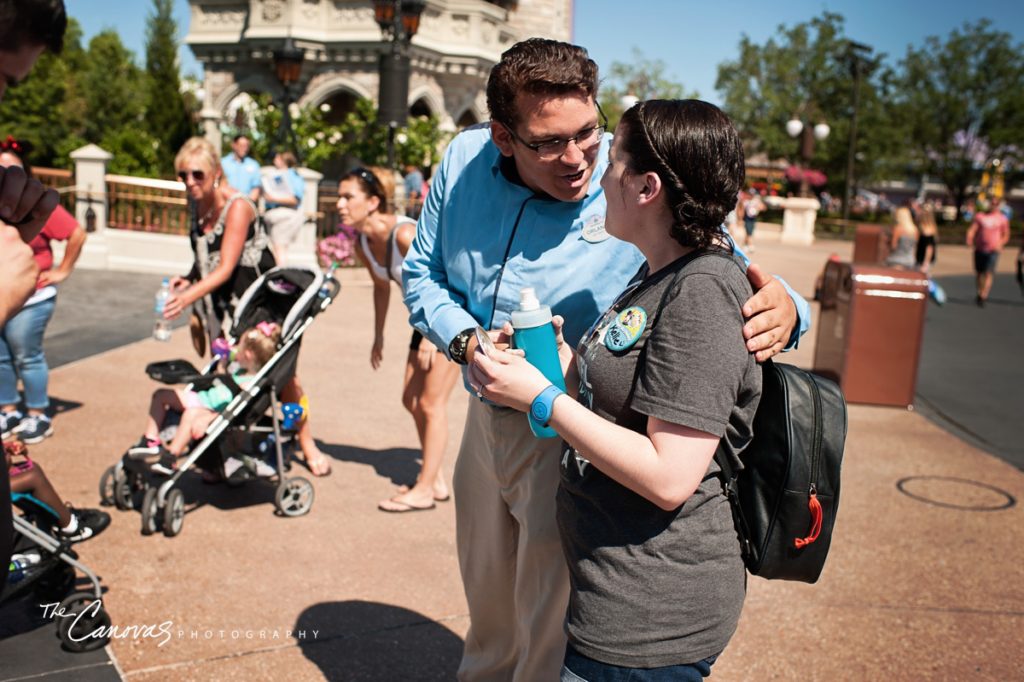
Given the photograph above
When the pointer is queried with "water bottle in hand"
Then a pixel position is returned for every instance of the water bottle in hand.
(161, 327)
(535, 335)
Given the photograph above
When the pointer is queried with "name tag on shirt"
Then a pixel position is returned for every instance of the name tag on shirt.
(593, 230)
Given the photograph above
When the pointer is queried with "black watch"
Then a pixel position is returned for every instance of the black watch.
(459, 345)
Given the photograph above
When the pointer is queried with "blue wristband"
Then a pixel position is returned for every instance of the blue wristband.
(543, 404)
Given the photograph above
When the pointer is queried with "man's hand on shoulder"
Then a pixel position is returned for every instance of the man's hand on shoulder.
(771, 315)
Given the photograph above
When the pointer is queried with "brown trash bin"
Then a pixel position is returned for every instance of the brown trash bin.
(870, 245)
(870, 330)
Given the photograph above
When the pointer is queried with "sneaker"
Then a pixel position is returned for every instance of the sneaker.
(91, 522)
(8, 421)
(145, 446)
(167, 464)
(34, 429)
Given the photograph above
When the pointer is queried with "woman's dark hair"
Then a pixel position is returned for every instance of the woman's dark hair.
(32, 22)
(538, 67)
(374, 182)
(19, 148)
(695, 150)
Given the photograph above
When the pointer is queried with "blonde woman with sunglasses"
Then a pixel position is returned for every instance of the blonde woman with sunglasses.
(231, 251)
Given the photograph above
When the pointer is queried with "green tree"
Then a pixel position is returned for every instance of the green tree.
(111, 84)
(167, 117)
(358, 135)
(643, 79)
(960, 102)
(805, 71)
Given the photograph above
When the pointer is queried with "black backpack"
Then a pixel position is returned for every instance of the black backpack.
(785, 498)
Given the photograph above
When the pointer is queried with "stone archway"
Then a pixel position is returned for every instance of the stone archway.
(466, 119)
(426, 102)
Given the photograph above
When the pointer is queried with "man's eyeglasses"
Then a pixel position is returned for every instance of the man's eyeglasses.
(197, 175)
(549, 150)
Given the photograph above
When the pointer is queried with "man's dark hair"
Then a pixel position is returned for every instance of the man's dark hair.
(32, 22)
(697, 153)
(539, 67)
(238, 137)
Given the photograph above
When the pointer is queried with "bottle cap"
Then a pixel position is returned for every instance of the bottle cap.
(528, 299)
(167, 280)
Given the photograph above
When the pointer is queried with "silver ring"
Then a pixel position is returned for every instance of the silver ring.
(479, 394)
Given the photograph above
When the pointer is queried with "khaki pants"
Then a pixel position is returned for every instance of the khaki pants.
(513, 569)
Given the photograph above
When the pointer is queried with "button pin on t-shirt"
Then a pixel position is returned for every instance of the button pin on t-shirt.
(626, 329)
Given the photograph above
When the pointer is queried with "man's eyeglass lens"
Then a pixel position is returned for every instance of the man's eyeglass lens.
(552, 149)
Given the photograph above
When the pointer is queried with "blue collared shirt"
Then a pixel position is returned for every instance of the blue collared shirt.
(482, 237)
(243, 175)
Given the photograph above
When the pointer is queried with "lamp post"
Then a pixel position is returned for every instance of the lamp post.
(857, 52)
(399, 20)
(796, 128)
(288, 68)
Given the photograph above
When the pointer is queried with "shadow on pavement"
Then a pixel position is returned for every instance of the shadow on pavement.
(400, 465)
(29, 648)
(968, 382)
(359, 640)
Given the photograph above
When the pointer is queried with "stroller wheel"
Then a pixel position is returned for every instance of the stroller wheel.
(294, 497)
(174, 512)
(123, 493)
(150, 511)
(107, 486)
(85, 625)
(55, 584)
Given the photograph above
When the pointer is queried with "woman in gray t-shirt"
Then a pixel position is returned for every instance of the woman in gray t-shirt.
(662, 380)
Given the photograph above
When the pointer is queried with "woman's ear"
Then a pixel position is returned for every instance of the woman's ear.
(651, 188)
(373, 203)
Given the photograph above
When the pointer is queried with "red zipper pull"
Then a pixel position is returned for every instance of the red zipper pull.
(815, 508)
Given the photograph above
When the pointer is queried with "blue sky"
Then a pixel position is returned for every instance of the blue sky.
(692, 37)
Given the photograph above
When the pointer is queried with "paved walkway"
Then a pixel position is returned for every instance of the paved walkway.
(922, 582)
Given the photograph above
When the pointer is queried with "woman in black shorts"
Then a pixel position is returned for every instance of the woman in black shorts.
(384, 239)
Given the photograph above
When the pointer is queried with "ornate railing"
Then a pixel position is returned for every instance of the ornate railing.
(61, 180)
(147, 205)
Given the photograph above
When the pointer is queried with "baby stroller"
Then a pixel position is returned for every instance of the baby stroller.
(291, 297)
(44, 566)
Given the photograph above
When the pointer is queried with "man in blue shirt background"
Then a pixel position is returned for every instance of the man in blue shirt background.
(240, 170)
(515, 203)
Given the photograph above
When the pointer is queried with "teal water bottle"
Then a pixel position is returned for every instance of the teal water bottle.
(535, 335)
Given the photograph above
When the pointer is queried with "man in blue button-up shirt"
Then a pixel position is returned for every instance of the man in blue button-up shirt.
(241, 170)
(518, 203)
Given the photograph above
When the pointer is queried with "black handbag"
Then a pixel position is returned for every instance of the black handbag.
(786, 496)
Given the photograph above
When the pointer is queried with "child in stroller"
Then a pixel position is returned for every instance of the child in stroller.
(29, 479)
(198, 408)
(253, 427)
(43, 563)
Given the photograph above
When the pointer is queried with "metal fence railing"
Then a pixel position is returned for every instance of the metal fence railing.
(61, 180)
(147, 205)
